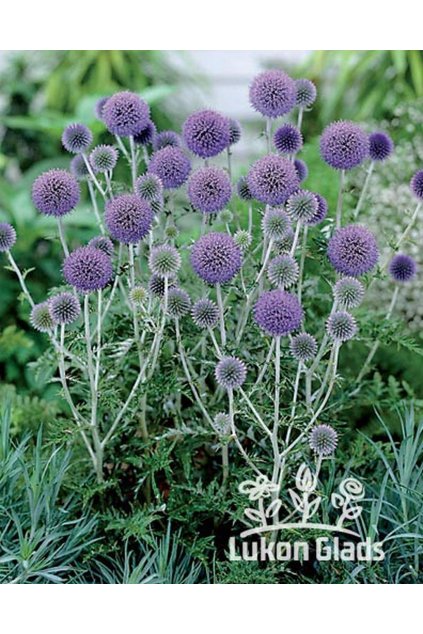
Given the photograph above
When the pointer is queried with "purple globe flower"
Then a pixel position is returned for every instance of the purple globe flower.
(302, 205)
(273, 93)
(128, 218)
(166, 138)
(341, 326)
(209, 189)
(234, 131)
(344, 145)
(171, 165)
(78, 168)
(353, 250)
(381, 146)
(103, 243)
(40, 318)
(276, 224)
(303, 347)
(149, 187)
(103, 158)
(164, 260)
(64, 308)
(76, 138)
(416, 184)
(206, 133)
(288, 139)
(278, 312)
(306, 93)
(7, 237)
(322, 210)
(301, 169)
(87, 269)
(323, 440)
(272, 179)
(230, 373)
(55, 193)
(348, 293)
(205, 313)
(216, 258)
(178, 303)
(147, 134)
(402, 268)
(99, 107)
(126, 114)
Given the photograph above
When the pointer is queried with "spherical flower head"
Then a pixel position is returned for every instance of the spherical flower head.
(344, 145)
(103, 158)
(234, 131)
(306, 93)
(348, 293)
(301, 169)
(381, 146)
(416, 184)
(178, 303)
(87, 269)
(78, 168)
(209, 189)
(40, 318)
(242, 189)
(164, 260)
(243, 239)
(288, 139)
(76, 138)
(216, 258)
(302, 205)
(276, 224)
(322, 210)
(156, 285)
(283, 245)
(341, 326)
(64, 308)
(353, 250)
(171, 232)
(128, 218)
(126, 114)
(230, 373)
(171, 165)
(103, 243)
(283, 271)
(205, 313)
(272, 179)
(402, 268)
(167, 138)
(7, 237)
(147, 134)
(222, 424)
(323, 440)
(149, 187)
(278, 313)
(303, 347)
(99, 107)
(273, 93)
(226, 216)
(206, 133)
(138, 296)
(55, 193)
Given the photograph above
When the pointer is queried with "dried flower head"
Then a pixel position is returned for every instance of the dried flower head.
(302, 205)
(40, 318)
(205, 313)
(278, 312)
(87, 269)
(230, 373)
(55, 193)
(206, 133)
(303, 347)
(353, 250)
(272, 179)
(276, 224)
(273, 93)
(125, 114)
(178, 303)
(209, 189)
(216, 258)
(402, 268)
(283, 271)
(64, 308)
(103, 243)
(381, 146)
(344, 145)
(323, 440)
(76, 138)
(306, 93)
(341, 326)
(128, 218)
(171, 165)
(348, 293)
(167, 138)
(7, 236)
(103, 158)
(288, 139)
(164, 260)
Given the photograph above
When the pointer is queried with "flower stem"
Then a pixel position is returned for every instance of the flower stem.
(340, 199)
(364, 190)
(62, 237)
(221, 315)
(20, 277)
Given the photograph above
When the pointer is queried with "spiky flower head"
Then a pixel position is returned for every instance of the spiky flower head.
(273, 93)
(147, 134)
(341, 326)
(353, 250)
(226, 216)
(103, 158)
(243, 239)
(272, 179)
(40, 318)
(323, 440)
(76, 138)
(171, 165)
(103, 243)
(303, 347)
(128, 218)
(301, 169)
(402, 268)
(283, 271)
(348, 292)
(216, 258)
(7, 236)
(178, 303)
(205, 313)
(78, 168)
(138, 295)
(99, 107)
(209, 189)
(381, 146)
(278, 312)
(126, 114)
(288, 139)
(166, 138)
(234, 131)
(87, 269)
(171, 232)
(276, 224)
(222, 424)
(156, 285)
(55, 193)
(283, 245)
(230, 373)
(344, 145)
(243, 189)
(306, 93)
(149, 187)
(416, 184)
(206, 133)
(302, 205)
(322, 210)
(164, 260)
(64, 308)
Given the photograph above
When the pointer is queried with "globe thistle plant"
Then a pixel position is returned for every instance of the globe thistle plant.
(216, 258)
(321, 212)
(272, 179)
(303, 347)
(164, 261)
(230, 373)
(323, 440)
(55, 193)
(128, 218)
(206, 133)
(288, 139)
(205, 313)
(381, 146)
(149, 187)
(348, 293)
(103, 243)
(402, 268)
(278, 313)
(276, 224)
(166, 138)
(417, 184)
(341, 326)
(146, 136)
(226, 217)
(273, 93)
(301, 170)
(222, 424)
(40, 318)
(243, 239)
(157, 283)
(7, 236)
(178, 303)
(99, 107)
(344, 145)
(283, 271)
(103, 158)
(209, 189)
(138, 296)
(243, 190)
(302, 206)
(64, 308)
(78, 168)
(171, 165)
(77, 138)
(306, 93)
(125, 114)
(234, 131)
(353, 250)
(87, 269)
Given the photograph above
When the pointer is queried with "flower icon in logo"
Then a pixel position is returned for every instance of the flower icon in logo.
(261, 487)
